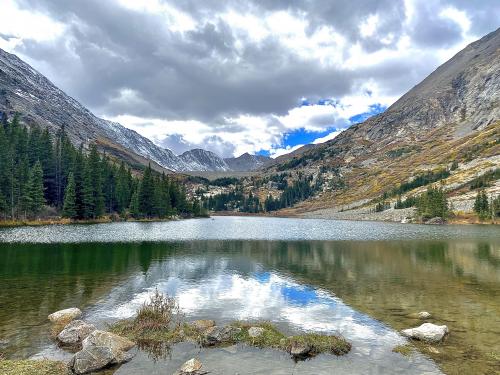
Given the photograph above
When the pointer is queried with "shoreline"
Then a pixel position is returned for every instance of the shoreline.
(324, 214)
(104, 220)
(460, 219)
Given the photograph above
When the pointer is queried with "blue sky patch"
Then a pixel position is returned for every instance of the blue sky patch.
(303, 137)
(375, 109)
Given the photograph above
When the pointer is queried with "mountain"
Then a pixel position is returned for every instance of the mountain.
(451, 117)
(247, 162)
(38, 101)
(202, 160)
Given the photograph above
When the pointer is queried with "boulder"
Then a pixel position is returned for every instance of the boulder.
(299, 350)
(255, 332)
(191, 367)
(202, 325)
(426, 332)
(101, 349)
(75, 332)
(220, 335)
(66, 315)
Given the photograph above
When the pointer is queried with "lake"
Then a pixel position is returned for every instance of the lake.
(358, 279)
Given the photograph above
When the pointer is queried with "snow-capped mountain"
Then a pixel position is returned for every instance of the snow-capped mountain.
(203, 160)
(25, 91)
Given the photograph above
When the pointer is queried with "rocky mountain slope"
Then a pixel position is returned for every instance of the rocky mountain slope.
(202, 160)
(451, 116)
(28, 92)
(247, 162)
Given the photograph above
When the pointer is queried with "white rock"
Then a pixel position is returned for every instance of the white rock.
(424, 315)
(191, 367)
(66, 315)
(426, 332)
(255, 331)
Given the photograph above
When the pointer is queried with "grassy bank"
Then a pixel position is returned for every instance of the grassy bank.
(27, 367)
(64, 221)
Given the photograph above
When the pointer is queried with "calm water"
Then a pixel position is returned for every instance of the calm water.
(354, 278)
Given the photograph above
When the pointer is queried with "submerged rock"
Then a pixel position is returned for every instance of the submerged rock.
(420, 315)
(255, 332)
(220, 335)
(424, 315)
(101, 349)
(66, 315)
(75, 332)
(426, 332)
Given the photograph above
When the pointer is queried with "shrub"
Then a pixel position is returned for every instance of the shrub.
(157, 314)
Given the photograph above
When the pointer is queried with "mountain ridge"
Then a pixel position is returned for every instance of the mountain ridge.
(26, 91)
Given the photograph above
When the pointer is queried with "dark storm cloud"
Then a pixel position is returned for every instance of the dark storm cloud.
(133, 62)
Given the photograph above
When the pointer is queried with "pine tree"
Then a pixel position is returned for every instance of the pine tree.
(481, 205)
(134, 204)
(88, 193)
(36, 188)
(95, 170)
(69, 206)
(146, 193)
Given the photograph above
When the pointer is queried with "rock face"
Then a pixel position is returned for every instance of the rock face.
(75, 332)
(247, 162)
(101, 349)
(426, 332)
(66, 315)
(255, 332)
(202, 160)
(220, 335)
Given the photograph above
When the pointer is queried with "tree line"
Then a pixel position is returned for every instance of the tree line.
(42, 172)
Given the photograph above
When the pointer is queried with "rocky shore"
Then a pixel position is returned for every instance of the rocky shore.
(156, 323)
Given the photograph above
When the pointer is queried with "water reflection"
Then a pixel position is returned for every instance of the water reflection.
(303, 285)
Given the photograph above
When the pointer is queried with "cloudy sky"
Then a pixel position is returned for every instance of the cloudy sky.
(258, 76)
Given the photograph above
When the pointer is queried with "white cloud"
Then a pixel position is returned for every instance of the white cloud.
(327, 137)
(18, 25)
(274, 153)
(369, 26)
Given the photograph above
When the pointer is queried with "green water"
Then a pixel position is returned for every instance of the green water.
(362, 289)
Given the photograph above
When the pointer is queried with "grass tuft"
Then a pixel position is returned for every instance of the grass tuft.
(157, 314)
(321, 343)
(272, 338)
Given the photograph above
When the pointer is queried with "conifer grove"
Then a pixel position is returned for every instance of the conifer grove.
(46, 174)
